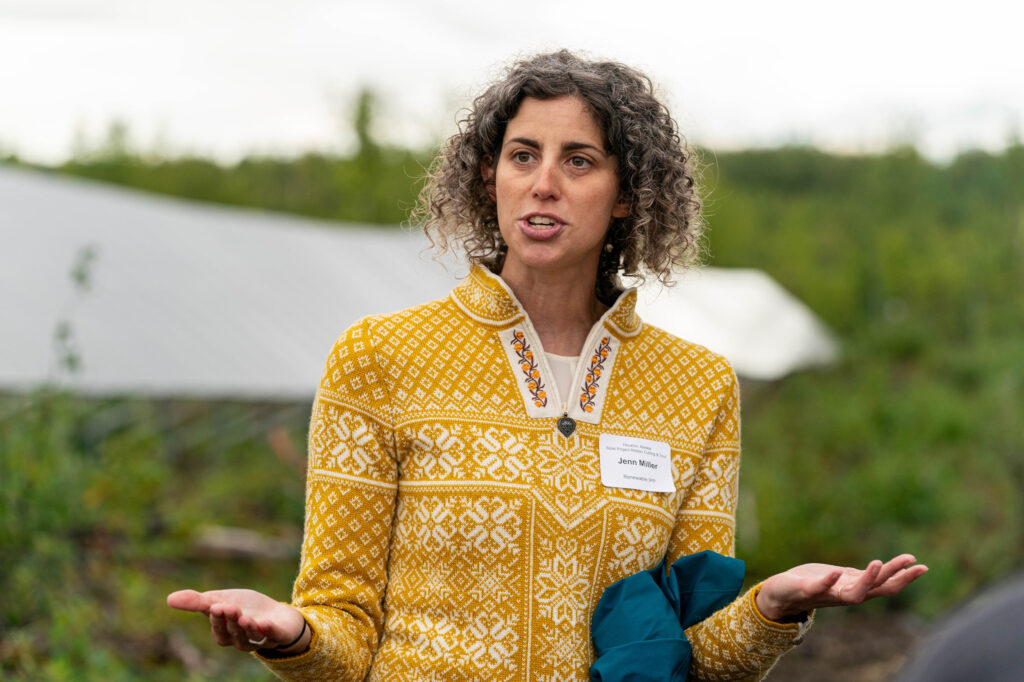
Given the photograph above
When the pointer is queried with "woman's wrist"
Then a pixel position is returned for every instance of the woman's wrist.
(298, 638)
(773, 610)
(293, 648)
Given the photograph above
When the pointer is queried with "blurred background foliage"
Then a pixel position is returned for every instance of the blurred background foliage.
(911, 442)
(376, 183)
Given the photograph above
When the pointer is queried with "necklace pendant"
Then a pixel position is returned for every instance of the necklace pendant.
(566, 425)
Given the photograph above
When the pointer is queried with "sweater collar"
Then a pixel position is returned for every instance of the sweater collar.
(486, 298)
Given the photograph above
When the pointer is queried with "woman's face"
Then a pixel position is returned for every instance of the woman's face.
(556, 189)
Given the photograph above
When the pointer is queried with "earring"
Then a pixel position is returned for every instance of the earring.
(608, 247)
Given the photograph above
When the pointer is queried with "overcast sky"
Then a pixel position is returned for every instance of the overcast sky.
(230, 77)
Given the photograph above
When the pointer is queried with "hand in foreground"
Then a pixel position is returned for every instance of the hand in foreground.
(813, 586)
(246, 619)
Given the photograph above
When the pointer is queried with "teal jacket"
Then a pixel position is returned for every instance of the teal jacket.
(639, 621)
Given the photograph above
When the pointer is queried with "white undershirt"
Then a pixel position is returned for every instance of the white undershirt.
(562, 368)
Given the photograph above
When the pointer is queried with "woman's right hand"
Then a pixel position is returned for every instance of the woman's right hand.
(246, 619)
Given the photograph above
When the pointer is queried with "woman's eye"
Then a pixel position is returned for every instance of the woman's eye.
(579, 162)
(522, 157)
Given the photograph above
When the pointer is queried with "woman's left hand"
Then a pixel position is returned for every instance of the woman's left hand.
(813, 586)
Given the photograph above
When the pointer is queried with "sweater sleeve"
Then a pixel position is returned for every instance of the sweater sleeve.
(737, 642)
(351, 482)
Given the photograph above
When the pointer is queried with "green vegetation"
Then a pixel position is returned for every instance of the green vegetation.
(100, 505)
(912, 442)
(376, 184)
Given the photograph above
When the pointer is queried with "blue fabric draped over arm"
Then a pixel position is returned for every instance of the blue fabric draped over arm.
(639, 621)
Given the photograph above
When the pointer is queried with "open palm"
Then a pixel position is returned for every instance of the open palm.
(245, 619)
(813, 586)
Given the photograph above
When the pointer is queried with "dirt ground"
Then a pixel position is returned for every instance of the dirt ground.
(853, 648)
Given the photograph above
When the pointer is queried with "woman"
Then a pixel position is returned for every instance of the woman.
(482, 467)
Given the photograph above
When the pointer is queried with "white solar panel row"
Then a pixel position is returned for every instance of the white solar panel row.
(191, 299)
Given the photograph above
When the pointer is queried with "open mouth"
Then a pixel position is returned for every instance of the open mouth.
(541, 222)
(541, 227)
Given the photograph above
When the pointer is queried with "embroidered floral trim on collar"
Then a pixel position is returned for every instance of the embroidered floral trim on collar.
(487, 299)
(532, 373)
(528, 365)
(592, 379)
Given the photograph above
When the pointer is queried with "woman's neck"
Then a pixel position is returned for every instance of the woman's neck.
(562, 306)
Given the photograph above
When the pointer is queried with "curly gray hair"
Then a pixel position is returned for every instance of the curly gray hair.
(656, 169)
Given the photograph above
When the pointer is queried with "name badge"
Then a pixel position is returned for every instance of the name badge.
(636, 463)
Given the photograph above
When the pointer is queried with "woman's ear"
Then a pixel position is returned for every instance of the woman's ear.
(621, 207)
(487, 172)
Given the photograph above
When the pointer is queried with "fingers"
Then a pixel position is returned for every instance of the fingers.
(894, 566)
(231, 628)
(190, 600)
(854, 590)
(257, 629)
(187, 600)
(899, 580)
(219, 630)
(825, 583)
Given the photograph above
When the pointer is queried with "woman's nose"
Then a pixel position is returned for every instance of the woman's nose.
(545, 183)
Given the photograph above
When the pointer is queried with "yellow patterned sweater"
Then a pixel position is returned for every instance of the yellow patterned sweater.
(453, 533)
